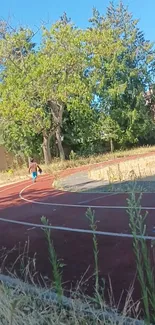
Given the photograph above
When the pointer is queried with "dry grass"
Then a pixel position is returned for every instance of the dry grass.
(22, 303)
(18, 307)
(58, 165)
(140, 168)
(13, 175)
(18, 174)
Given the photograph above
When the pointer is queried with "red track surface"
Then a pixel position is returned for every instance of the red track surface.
(116, 259)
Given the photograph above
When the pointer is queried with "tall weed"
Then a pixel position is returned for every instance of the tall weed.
(99, 290)
(143, 260)
(55, 262)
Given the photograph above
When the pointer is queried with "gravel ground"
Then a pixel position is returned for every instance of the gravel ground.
(80, 182)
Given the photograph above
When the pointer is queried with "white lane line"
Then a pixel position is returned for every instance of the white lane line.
(32, 228)
(99, 197)
(77, 230)
(77, 205)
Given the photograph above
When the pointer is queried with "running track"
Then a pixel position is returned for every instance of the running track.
(27, 203)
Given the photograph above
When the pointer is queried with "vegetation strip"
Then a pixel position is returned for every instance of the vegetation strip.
(68, 302)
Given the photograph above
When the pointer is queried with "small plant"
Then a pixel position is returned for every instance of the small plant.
(72, 155)
(143, 262)
(56, 264)
(91, 217)
(120, 176)
(10, 172)
(140, 174)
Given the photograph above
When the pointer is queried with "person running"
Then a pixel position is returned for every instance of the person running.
(33, 168)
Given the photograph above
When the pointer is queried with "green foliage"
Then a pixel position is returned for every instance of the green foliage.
(123, 76)
(143, 260)
(110, 130)
(55, 263)
(98, 289)
(80, 88)
(72, 155)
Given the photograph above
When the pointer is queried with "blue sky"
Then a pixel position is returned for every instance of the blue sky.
(33, 13)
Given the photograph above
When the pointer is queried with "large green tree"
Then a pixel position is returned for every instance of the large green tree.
(80, 86)
(18, 119)
(37, 86)
(60, 80)
(123, 77)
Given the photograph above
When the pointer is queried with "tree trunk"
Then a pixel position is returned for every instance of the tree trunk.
(111, 145)
(46, 149)
(57, 110)
(59, 142)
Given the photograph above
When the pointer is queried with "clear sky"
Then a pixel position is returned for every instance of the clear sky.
(33, 13)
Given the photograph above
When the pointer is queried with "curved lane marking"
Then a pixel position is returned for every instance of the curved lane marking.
(77, 205)
(77, 230)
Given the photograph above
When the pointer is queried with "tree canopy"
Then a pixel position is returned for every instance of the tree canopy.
(82, 88)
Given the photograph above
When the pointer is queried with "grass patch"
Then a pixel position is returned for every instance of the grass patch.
(22, 303)
(58, 165)
(140, 168)
(19, 307)
(13, 175)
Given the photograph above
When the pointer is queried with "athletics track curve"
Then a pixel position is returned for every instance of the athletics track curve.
(26, 203)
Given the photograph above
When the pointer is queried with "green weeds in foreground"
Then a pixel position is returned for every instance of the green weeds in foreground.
(99, 291)
(140, 247)
(143, 259)
(17, 307)
(56, 264)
